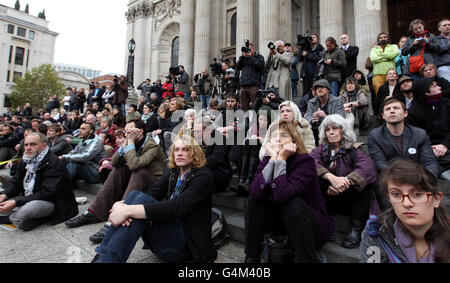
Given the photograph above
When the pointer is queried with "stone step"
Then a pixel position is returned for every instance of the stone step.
(88, 188)
(230, 200)
(333, 251)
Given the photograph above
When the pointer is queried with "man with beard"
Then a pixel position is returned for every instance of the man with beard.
(397, 139)
(137, 165)
(41, 190)
(406, 85)
(383, 58)
(82, 162)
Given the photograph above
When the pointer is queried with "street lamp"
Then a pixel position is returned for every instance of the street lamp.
(130, 73)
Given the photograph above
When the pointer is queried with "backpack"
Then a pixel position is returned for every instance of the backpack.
(219, 233)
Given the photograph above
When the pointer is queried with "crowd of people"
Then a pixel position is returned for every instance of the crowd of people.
(298, 164)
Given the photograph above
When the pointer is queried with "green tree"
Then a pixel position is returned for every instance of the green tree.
(36, 87)
(17, 5)
(27, 9)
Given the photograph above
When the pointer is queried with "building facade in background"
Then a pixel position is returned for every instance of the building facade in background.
(26, 42)
(84, 71)
(193, 32)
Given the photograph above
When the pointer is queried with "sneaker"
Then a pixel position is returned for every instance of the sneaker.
(98, 237)
(81, 200)
(82, 220)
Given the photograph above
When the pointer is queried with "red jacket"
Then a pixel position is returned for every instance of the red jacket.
(168, 90)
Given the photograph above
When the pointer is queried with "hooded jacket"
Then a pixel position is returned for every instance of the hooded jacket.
(303, 128)
(433, 118)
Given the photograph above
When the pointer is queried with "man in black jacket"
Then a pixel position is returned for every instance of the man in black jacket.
(251, 64)
(431, 112)
(41, 190)
(8, 142)
(399, 140)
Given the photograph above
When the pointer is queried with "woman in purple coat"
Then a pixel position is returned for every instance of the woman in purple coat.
(286, 198)
(347, 175)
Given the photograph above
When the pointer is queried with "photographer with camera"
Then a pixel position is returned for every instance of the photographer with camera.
(230, 82)
(205, 84)
(279, 65)
(251, 66)
(184, 83)
(145, 88)
(157, 88)
(269, 98)
(309, 52)
(333, 62)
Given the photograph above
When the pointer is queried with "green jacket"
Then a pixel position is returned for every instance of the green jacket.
(383, 60)
(150, 156)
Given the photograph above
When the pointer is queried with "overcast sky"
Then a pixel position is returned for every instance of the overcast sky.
(92, 33)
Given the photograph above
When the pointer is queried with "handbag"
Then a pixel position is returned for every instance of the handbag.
(416, 62)
(276, 249)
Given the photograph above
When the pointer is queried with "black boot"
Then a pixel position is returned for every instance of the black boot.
(252, 168)
(243, 174)
(358, 220)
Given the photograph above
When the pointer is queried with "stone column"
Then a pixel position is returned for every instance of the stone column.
(286, 21)
(140, 53)
(245, 24)
(269, 15)
(331, 19)
(187, 29)
(202, 34)
(349, 16)
(366, 34)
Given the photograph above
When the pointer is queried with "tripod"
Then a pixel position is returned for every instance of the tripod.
(217, 89)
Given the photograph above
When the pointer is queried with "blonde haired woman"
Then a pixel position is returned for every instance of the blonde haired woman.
(167, 215)
(291, 113)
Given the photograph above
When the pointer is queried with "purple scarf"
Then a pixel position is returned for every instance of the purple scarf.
(405, 241)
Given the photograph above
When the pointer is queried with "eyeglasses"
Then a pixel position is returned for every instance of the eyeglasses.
(416, 197)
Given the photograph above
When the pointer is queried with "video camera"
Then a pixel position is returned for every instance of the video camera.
(216, 68)
(304, 41)
(246, 48)
(174, 71)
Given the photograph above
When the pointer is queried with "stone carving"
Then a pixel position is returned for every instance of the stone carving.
(159, 11)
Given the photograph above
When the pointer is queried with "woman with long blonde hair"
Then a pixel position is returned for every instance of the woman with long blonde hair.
(167, 216)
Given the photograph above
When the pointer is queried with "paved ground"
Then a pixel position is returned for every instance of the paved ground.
(58, 244)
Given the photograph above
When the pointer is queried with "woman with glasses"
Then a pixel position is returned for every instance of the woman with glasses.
(173, 217)
(347, 175)
(286, 198)
(416, 229)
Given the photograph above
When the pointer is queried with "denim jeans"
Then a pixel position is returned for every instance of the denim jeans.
(205, 100)
(294, 86)
(166, 240)
(334, 88)
(84, 171)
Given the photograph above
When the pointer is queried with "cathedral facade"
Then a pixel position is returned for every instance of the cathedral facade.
(194, 32)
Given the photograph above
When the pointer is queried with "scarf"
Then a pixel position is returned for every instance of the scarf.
(435, 99)
(31, 166)
(405, 242)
